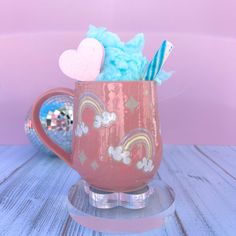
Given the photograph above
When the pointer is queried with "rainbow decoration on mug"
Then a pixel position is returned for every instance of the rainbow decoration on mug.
(122, 152)
(102, 118)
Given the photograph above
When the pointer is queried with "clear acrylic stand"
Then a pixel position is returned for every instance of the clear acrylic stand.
(138, 211)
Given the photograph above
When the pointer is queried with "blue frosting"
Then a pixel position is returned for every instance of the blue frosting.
(123, 61)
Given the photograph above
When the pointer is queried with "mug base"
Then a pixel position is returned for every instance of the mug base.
(137, 211)
(105, 200)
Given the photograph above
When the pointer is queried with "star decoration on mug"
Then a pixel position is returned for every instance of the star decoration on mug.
(94, 165)
(82, 157)
(131, 104)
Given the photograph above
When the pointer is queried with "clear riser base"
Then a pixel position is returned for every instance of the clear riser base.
(138, 211)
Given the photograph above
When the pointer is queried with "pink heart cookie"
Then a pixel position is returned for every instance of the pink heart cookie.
(84, 63)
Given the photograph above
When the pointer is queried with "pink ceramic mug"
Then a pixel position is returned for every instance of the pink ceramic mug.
(116, 133)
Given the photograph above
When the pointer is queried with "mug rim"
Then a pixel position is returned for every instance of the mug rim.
(116, 81)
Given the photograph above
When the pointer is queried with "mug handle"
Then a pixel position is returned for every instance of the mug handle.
(65, 156)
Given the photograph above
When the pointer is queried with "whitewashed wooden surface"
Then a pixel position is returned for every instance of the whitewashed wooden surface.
(33, 189)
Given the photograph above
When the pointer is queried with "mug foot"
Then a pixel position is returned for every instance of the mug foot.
(105, 200)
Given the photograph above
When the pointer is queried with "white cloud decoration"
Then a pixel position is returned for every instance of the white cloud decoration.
(118, 154)
(105, 119)
(145, 164)
(81, 129)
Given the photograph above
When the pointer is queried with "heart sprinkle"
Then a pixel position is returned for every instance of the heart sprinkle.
(83, 64)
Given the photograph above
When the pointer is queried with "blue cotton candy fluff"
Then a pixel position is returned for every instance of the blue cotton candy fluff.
(123, 61)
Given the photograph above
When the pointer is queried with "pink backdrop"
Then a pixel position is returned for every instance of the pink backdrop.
(197, 105)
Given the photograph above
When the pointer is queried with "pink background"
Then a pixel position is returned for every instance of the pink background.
(198, 105)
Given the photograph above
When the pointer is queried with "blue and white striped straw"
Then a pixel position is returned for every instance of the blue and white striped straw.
(158, 60)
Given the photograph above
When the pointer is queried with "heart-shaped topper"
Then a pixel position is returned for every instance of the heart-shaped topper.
(84, 63)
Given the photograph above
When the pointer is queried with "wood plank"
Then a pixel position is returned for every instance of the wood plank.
(195, 230)
(33, 198)
(4, 147)
(222, 156)
(205, 200)
(28, 196)
(12, 158)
